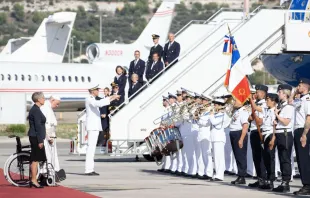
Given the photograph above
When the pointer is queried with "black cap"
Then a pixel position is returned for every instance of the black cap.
(155, 36)
(273, 97)
(304, 80)
(280, 87)
(262, 88)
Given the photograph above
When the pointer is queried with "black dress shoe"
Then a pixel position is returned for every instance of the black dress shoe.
(194, 176)
(161, 170)
(254, 185)
(92, 174)
(305, 190)
(206, 177)
(182, 174)
(200, 177)
(167, 171)
(216, 179)
(267, 186)
(283, 188)
(238, 181)
(34, 185)
(173, 172)
(179, 173)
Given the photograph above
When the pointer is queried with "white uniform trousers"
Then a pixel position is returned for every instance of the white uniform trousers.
(230, 161)
(293, 164)
(189, 154)
(250, 163)
(91, 149)
(219, 159)
(166, 162)
(51, 155)
(277, 164)
(204, 158)
(179, 160)
(176, 162)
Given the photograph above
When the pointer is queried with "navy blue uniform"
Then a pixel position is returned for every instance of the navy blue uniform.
(121, 82)
(138, 69)
(171, 53)
(158, 49)
(133, 89)
(153, 71)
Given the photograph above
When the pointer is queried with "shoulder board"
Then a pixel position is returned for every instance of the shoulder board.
(217, 116)
(207, 113)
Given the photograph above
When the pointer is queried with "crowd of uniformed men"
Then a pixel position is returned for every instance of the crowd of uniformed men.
(139, 73)
(219, 140)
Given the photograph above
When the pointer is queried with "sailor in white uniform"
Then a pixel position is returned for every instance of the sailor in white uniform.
(204, 154)
(93, 125)
(184, 126)
(284, 137)
(218, 138)
(50, 125)
(267, 129)
(302, 136)
(239, 139)
(166, 159)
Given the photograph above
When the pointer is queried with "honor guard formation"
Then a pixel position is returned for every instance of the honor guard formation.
(207, 137)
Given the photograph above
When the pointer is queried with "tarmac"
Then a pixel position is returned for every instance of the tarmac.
(124, 177)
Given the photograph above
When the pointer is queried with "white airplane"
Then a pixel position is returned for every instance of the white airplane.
(48, 45)
(122, 54)
(71, 81)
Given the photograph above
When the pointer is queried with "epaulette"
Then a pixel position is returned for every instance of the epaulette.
(308, 99)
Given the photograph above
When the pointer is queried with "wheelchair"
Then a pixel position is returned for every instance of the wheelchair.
(17, 167)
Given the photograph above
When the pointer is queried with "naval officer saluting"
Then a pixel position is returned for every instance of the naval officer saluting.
(93, 125)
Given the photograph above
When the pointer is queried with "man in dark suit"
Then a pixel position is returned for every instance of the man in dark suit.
(137, 66)
(155, 49)
(171, 51)
(135, 86)
(154, 67)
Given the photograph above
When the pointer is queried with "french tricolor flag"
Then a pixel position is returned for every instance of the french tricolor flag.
(236, 81)
(227, 45)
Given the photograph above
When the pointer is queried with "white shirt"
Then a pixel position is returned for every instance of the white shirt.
(286, 112)
(136, 61)
(261, 103)
(239, 118)
(267, 125)
(217, 127)
(51, 121)
(204, 127)
(93, 120)
(154, 62)
(170, 43)
(302, 109)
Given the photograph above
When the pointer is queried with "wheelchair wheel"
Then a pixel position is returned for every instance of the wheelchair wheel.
(17, 169)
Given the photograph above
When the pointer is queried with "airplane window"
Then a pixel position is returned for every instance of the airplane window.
(82, 78)
(69, 77)
(16, 78)
(49, 78)
(36, 77)
(9, 77)
(29, 77)
(76, 79)
(56, 78)
(89, 79)
(23, 78)
(42, 77)
(63, 78)
(2, 77)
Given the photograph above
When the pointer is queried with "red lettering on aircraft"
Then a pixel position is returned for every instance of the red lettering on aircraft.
(114, 52)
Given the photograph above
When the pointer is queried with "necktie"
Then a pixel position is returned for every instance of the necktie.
(169, 45)
(136, 62)
(153, 65)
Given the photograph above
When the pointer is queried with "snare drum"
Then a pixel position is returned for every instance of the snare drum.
(154, 143)
(172, 137)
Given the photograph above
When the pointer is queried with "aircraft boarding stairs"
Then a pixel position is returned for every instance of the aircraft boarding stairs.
(201, 69)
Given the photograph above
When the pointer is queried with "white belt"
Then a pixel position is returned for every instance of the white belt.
(298, 127)
(282, 130)
(265, 132)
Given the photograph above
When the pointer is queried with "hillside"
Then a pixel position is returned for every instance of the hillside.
(122, 21)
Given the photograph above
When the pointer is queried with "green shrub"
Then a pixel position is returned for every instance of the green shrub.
(16, 128)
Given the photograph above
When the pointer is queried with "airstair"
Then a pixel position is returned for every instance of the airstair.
(201, 68)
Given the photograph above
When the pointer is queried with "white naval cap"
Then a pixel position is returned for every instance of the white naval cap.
(207, 97)
(219, 100)
(94, 87)
(55, 97)
(197, 95)
(170, 95)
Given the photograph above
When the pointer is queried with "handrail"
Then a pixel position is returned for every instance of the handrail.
(160, 73)
(219, 11)
(218, 43)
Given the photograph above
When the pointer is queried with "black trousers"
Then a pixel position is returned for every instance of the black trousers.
(240, 153)
(284, 144)
(303, 157)
(269, 158)
(257, 152)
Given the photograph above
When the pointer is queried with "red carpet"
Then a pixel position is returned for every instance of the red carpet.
(8, 190)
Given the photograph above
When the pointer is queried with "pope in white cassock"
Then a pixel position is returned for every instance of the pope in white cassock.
(93, 125)
(50, 125)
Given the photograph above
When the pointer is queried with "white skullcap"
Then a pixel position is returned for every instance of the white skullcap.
(55, 97)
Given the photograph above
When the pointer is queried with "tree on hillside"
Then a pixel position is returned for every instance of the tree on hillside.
(93, 6)
(3, 18)
(18, 12)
